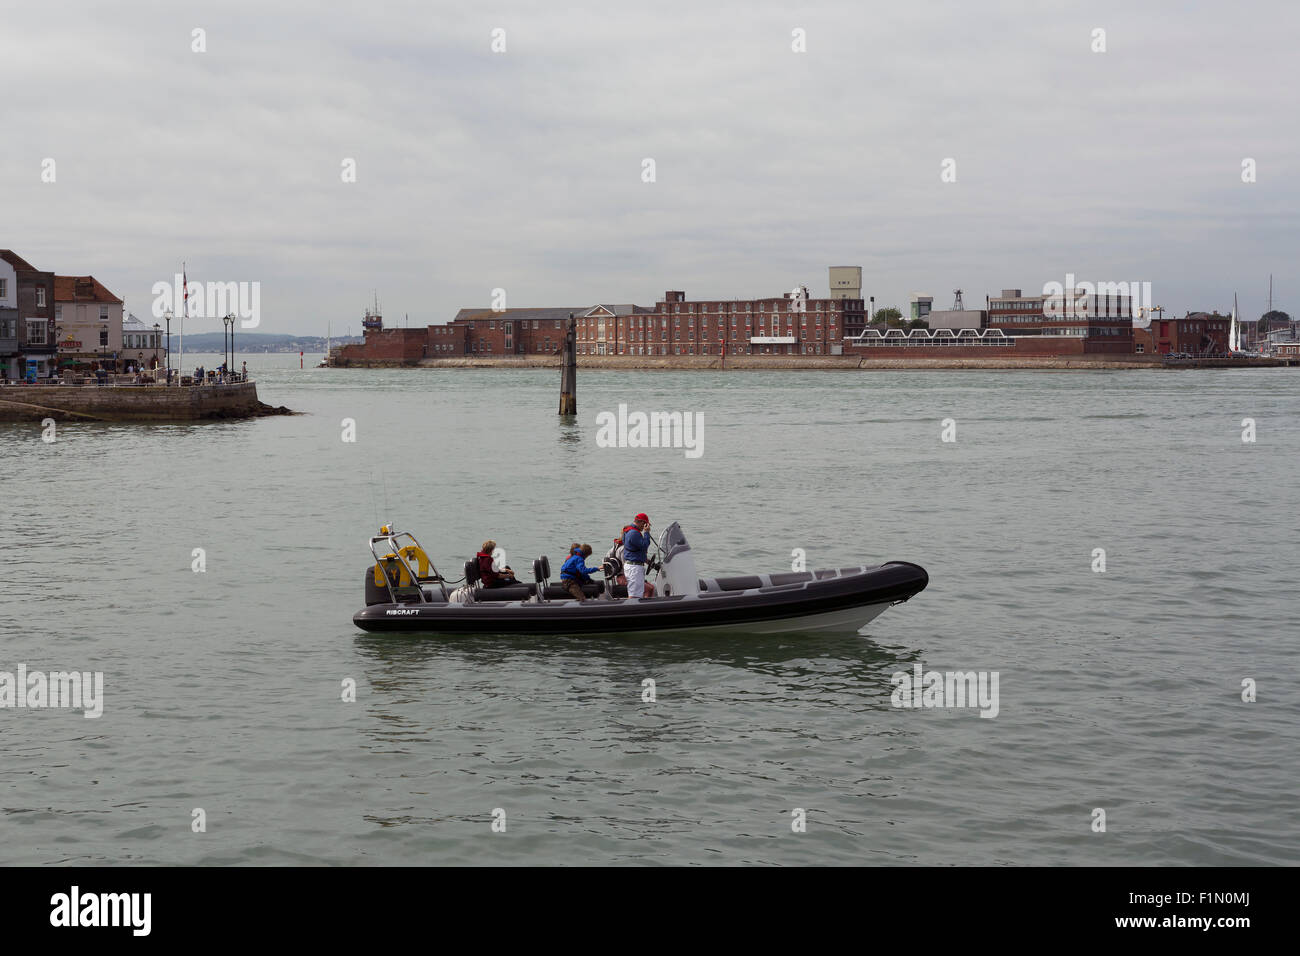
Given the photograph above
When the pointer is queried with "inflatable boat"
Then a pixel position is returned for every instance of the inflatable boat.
(405, 592)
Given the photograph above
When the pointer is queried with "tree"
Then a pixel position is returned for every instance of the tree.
(888, 316)
(1275, 318)
(918, 324)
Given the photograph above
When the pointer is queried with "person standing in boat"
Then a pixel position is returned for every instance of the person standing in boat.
(575, 573)
(614, 560)
(491, 577)
(636, 545)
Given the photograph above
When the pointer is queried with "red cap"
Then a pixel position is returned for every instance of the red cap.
(643, 517)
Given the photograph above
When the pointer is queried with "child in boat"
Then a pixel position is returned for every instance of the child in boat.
(575, 573)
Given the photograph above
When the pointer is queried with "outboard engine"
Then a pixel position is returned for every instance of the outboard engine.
(678, 563)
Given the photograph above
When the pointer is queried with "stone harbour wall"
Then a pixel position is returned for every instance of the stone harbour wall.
(117, 403)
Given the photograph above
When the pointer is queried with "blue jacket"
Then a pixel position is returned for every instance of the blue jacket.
(635, 545)
(576, 568)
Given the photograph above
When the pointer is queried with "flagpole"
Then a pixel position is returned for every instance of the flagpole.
(185, 307)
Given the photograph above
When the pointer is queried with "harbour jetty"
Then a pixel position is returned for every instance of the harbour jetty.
(132, 403)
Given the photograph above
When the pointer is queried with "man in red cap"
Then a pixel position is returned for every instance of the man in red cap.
(636, 544)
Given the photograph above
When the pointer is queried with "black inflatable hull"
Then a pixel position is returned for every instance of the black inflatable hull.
(753, 603)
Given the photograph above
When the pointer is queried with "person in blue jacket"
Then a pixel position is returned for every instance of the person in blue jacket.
(574, 573)
(636, 543)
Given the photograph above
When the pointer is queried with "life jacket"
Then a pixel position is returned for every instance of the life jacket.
(485, 568)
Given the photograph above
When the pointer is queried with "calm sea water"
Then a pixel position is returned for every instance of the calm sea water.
(1119, 690)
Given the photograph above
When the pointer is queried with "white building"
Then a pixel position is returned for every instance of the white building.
(142, 344)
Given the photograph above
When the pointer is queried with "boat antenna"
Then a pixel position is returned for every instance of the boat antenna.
(374, 504)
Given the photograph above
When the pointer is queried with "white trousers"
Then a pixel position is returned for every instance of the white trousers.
(635, 580)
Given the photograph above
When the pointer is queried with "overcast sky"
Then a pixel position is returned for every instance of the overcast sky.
(522, 170)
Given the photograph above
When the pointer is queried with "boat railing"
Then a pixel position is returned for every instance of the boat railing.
(401, 552)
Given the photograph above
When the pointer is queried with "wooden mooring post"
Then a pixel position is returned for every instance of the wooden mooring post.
(569, 370)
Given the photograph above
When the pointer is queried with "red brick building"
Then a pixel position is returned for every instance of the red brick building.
(1197, 333)
(790, 324)
(482, 332)
(479, 333)
(1103, 322)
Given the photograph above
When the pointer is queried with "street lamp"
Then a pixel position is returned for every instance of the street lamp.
(167, 316)
(156, 329)
(229, 323)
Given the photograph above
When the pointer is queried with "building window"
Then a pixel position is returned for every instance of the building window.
(103, 313)
(103, 337)
(40, 296)
(58, 312)
(36, 331)
(4, 288)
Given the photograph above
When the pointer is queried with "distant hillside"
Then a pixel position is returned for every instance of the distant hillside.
(260, 342)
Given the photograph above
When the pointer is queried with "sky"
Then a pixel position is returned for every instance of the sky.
(524, 170)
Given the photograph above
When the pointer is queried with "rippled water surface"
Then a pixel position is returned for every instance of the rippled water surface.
(1119, 690)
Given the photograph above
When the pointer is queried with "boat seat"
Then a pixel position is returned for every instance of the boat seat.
(791, 577)
(740, 582)
(522, 592)
(556, 592)
(513, 592)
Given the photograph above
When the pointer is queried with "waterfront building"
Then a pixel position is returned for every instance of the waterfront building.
(26, 318)
(141, 344)
(9, 351)
(1197, 333)
(1290, 332)
(922, 306)
(956, 319)
(846, 282)
(789, 324)
(601, 331)
(1103, 320)
(485, 333)
(87, 322)
(474, 333)
(1143, 342)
